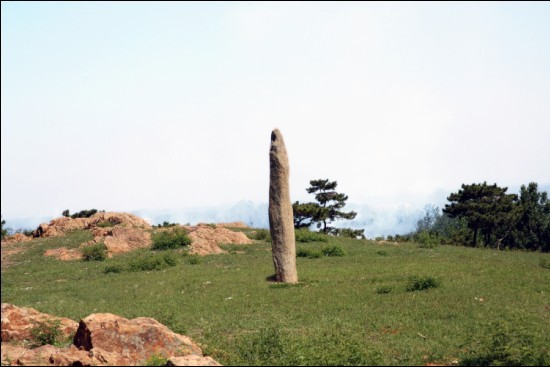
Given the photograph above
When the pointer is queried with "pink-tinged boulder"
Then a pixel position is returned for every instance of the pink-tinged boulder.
(137, 340)
(205, 239)
(121, 239)
(59, 226)
(16, 238)
(18, 323)
(192, 361)
(48, 355)
(10, 353)
(115, 218)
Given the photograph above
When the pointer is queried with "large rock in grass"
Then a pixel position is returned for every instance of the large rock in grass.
(281, 219)
(192, 361)
(18, 323)
(136, 340)
(49, 355)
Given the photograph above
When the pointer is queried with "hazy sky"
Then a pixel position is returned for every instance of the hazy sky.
(123, 106)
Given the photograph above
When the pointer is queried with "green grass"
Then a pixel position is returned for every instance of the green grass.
(492, 306)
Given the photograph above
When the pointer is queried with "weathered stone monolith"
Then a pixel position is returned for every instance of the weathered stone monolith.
(281, 219)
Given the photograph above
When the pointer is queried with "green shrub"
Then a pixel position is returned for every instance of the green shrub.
(171, 239)
(348, 232)
(382, 253)
(156, 360)
(417, 283)
(333, 251)
(305, 235)
(94, 252)
(506, 348)
(426, 240)
(112, 269)
(309, 253)
(194, 260)
(384, 289)
(545, 263)
(260, 235)
(104, 224)
(47, 332)
(152, 262)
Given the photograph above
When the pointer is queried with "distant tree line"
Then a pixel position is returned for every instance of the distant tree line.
(482, 215)
(81, 214)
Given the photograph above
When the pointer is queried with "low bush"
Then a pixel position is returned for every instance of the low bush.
(544, 263)
(94, 252)
(47, 332)
(112, 269)
(305, 235)
(349, 233)
(152, 262)
(507, 347)
(426, 240)
(384, 289)
(309, 253)
(156, 360)
(260, 235)
(417, 283)
(104, 224)
(194, 259)
(171, 239)
(333, 251)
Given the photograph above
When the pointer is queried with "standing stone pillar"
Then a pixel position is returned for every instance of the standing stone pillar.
(281, 218)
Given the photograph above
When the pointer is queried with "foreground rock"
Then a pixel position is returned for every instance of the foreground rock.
(192, 361)
(138, 339)
(48, 355)
(281, 218)
(18, 323)
(99, 340)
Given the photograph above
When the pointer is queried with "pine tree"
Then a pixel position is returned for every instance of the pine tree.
(533, 221)
(326, 210)
(488, 210)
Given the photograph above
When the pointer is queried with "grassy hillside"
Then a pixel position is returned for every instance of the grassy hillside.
(352, 310)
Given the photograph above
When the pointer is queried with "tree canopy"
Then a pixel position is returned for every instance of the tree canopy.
(326, 210)
(488, 210)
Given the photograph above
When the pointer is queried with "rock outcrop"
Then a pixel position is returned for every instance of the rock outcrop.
(138, 339)
(19, 322)
(16, 238)
(281, 219)
(206, 239)
(98, 340)
(192, 361)
(59, 226)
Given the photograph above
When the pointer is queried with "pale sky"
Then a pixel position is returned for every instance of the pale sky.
(127, 106)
